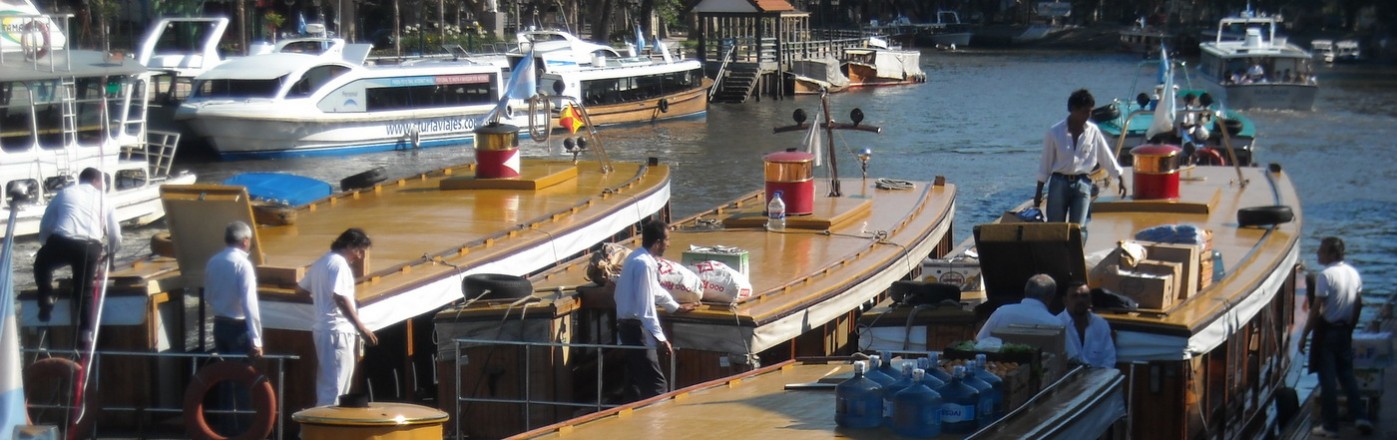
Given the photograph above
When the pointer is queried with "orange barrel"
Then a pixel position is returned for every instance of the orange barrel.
(1156, 171)
(377, 420)
(497, 151)
(792, 173)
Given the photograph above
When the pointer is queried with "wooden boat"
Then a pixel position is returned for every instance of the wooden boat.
(809, 283)
(1126, 121)
(795, 399)
(1249, 66)
(63, 110)
(879, 65)
(1207, 356)
(812, 77)
(429, 231)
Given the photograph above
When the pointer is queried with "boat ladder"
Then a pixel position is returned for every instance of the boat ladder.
(68, 107)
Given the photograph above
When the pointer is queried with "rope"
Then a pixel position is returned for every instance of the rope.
(894, 184)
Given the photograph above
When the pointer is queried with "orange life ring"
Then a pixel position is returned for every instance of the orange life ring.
(1208, 156)
(263, 400)
(27, 45)
(60, 369)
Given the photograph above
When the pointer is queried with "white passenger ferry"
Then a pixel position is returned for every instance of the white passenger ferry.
(1249, 66)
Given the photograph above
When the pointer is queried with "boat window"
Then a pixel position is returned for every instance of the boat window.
(238, 88)
(313, 79)
(32, 113)
(311, 47)
(181, 37)
(614, 90)
(15, 118)
(412, 93)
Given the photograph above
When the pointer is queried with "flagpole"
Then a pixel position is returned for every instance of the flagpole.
(12, 399)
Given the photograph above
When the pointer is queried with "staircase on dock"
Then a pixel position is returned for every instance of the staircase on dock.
(737, 84)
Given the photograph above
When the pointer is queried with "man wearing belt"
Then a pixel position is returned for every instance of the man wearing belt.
(638, 290)
(1336, 307)
(230, 284)
(1071, 149)
(74, 224)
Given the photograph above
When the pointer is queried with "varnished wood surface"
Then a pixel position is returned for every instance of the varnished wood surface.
(1249, 255)
(757, 405)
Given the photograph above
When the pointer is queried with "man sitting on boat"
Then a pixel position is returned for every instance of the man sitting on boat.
(1032, 310)
(1089, 338)
(72, 229)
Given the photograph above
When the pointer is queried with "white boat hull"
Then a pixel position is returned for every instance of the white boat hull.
(946, 39)
(1271, 96)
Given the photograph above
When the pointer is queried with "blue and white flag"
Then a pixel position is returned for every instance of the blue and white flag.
(301, 23)
(12, 410)
(521, 85)
(1164, 110)
(639, 38)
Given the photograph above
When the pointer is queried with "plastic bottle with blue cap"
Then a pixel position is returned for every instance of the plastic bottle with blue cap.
(858, 401)
(776, 213)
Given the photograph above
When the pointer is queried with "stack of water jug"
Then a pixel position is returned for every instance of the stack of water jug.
(919, 401)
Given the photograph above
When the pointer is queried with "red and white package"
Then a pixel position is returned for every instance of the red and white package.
(722, 283)
(683, 284)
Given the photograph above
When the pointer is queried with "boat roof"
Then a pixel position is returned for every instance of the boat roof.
(621, 70)
(823, 265)
(266, 66)
(429, 231)
(796, 400)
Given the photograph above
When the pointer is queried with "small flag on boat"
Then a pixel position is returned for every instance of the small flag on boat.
(301, 23)
(12, 408)
(639, 38)
(570, 120)
(1164, 109)
(813, 142)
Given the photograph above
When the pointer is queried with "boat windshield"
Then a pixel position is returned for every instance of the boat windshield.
(238, 88)
(182, 37)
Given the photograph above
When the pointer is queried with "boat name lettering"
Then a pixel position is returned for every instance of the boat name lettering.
(448, 124)
(463, 79)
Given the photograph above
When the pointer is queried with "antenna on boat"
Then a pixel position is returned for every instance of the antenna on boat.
(855, 115)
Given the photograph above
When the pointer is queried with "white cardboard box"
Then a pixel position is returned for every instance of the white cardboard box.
(964, 273)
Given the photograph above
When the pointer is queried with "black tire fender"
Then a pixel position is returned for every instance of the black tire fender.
(365, 179)
(263, 400)
(495, 286)
(1264, 215)
(664, 105)
(1105, 113)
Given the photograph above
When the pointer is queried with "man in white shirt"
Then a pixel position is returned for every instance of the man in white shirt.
(330, 283)
(1089, 339)
(1336, 308)
(230, 284)
(1071, 149)
(638, 290)
(74, 224)
(1032, 310)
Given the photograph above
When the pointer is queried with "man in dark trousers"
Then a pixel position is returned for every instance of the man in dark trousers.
(1333, 312)
(638, 290)
(74, 225)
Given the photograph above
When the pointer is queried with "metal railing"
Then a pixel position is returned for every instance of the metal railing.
(599, 352)
(722, 69)
(95, 387)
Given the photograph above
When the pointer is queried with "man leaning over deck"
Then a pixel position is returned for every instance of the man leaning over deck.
(1033, 310)
(72, 229)
(1071, 149)
(638, 290)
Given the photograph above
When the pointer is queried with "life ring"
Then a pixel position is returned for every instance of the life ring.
(60, 369)
(1208, 156)
(1264, 215)
(664, 105)
(495, 286)
(263, 400)
(26, 40)
(1105, 113)
(365, 179)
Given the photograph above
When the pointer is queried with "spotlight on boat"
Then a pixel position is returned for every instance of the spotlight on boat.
(581, 143)
(856, 115)
(21, 191)
(569, 145)
(558, 87)
(799, 116)
(864, 155)
(1142, 99)
(1206, 100)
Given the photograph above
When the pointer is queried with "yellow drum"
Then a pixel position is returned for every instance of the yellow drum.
(377, 421)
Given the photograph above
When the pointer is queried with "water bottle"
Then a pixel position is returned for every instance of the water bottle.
(776, 213)
(996, 386)
(985, 409)
(935, 369)
(876, 374)
(858, 402)
(1219, 272)
(930, 380)
(958, 404)
(917, 409)
(892, 390)
(887, 367)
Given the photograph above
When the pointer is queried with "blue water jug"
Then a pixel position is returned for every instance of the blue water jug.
(892, 390)
(985, 409)
(917, 410)
(931, 381)
(935, 369)
(958, 405)
(996, 385)
(887, 367)
(875, 373)
(858, 402)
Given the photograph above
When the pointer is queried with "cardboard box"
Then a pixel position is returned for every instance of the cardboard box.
(964, 273)
(733, 257)
(1187, 256)
(1368, 379)
(1151, 283)
(1372, 350)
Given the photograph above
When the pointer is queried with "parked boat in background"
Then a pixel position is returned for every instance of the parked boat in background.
(947, 32)
(1323, 50)
(881, 65)
(63, 110)
(1347, 51)
(652, 85)
(1145, 39)
(1259, 70)
(811, 77)
(290, 104)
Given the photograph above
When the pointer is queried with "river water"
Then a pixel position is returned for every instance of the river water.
(979, 122)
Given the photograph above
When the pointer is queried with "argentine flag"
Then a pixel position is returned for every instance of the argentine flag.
(521, 86)
(639, 38)
(12, 411)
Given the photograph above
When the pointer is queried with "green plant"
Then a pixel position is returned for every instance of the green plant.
(274, 20)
